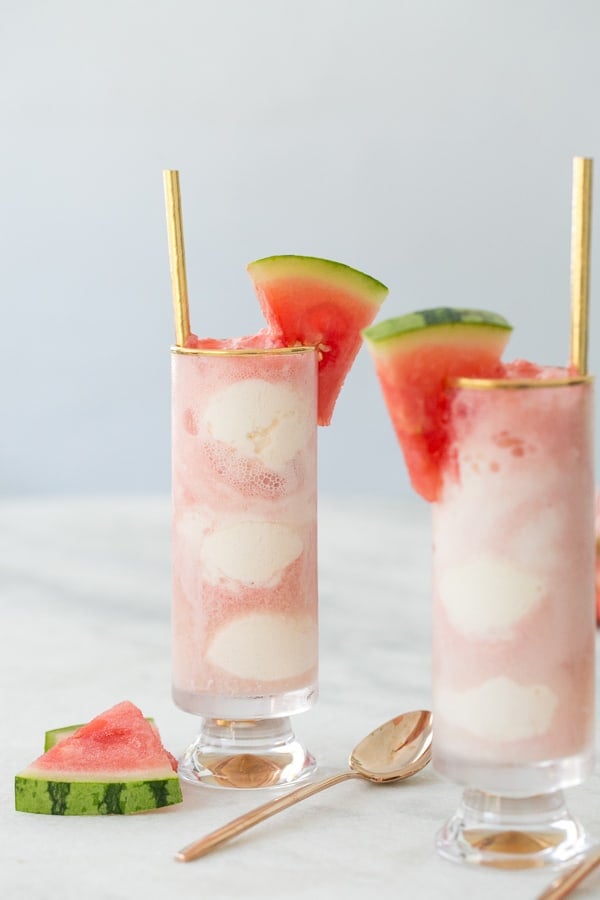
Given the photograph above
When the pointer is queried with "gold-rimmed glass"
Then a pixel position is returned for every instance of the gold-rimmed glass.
(245, 636)
(513, 622)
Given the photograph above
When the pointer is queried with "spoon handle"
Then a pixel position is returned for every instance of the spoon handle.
(249, 819)
(566, 882)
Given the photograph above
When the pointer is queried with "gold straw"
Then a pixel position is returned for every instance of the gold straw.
(580, 261)
(177, 256)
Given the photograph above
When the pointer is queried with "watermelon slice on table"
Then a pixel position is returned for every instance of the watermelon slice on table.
(114, 764)
(416, 358)
(318, 303)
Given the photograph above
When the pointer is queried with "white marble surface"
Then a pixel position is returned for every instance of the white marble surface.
(84, 590)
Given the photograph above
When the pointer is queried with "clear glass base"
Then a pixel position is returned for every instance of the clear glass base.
(210, 705)
(246, 754)
(512, 833)
(515, 779)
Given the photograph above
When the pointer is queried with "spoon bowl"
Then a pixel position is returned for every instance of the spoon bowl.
(392, 752)
(395, 750)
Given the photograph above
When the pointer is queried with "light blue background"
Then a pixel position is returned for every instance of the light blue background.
(428, 143)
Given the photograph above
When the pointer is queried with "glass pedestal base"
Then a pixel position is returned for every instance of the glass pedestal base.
(246, 754)
(512, 833)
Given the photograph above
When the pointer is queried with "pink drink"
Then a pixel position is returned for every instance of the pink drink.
(245, 642)
(514, 589)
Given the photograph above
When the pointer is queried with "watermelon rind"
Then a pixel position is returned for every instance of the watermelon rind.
(442, 316)
(337, 273)
(56, 735)
(35, 794)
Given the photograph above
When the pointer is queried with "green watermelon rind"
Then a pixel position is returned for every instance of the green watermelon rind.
(432, 320)
(271, 268)
(58, 797)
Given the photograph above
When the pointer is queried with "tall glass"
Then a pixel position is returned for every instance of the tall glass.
(514, 630)
(244, 619)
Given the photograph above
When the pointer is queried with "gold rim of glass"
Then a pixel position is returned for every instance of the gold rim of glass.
(515, 384)
(240, 351)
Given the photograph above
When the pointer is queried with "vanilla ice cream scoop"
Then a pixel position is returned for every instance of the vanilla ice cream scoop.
(254, 553)
(500, 709)
(260, 420)
(265, 646)
(487, 596)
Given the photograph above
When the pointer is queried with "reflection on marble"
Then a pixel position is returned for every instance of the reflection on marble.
(84, 588)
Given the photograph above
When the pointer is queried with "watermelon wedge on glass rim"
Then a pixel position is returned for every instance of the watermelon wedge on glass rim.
(416, 358)
(116, 764)
(318, 303)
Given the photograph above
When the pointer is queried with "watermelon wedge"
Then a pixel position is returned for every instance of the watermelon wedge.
(116, 764)
(318, 303)
(416, 358)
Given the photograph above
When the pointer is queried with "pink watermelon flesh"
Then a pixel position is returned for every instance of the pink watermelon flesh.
(117, 741)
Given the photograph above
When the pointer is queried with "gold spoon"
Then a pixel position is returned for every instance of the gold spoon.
(568, 881)
(392, 752)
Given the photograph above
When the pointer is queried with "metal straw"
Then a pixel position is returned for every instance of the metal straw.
(177, 256)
